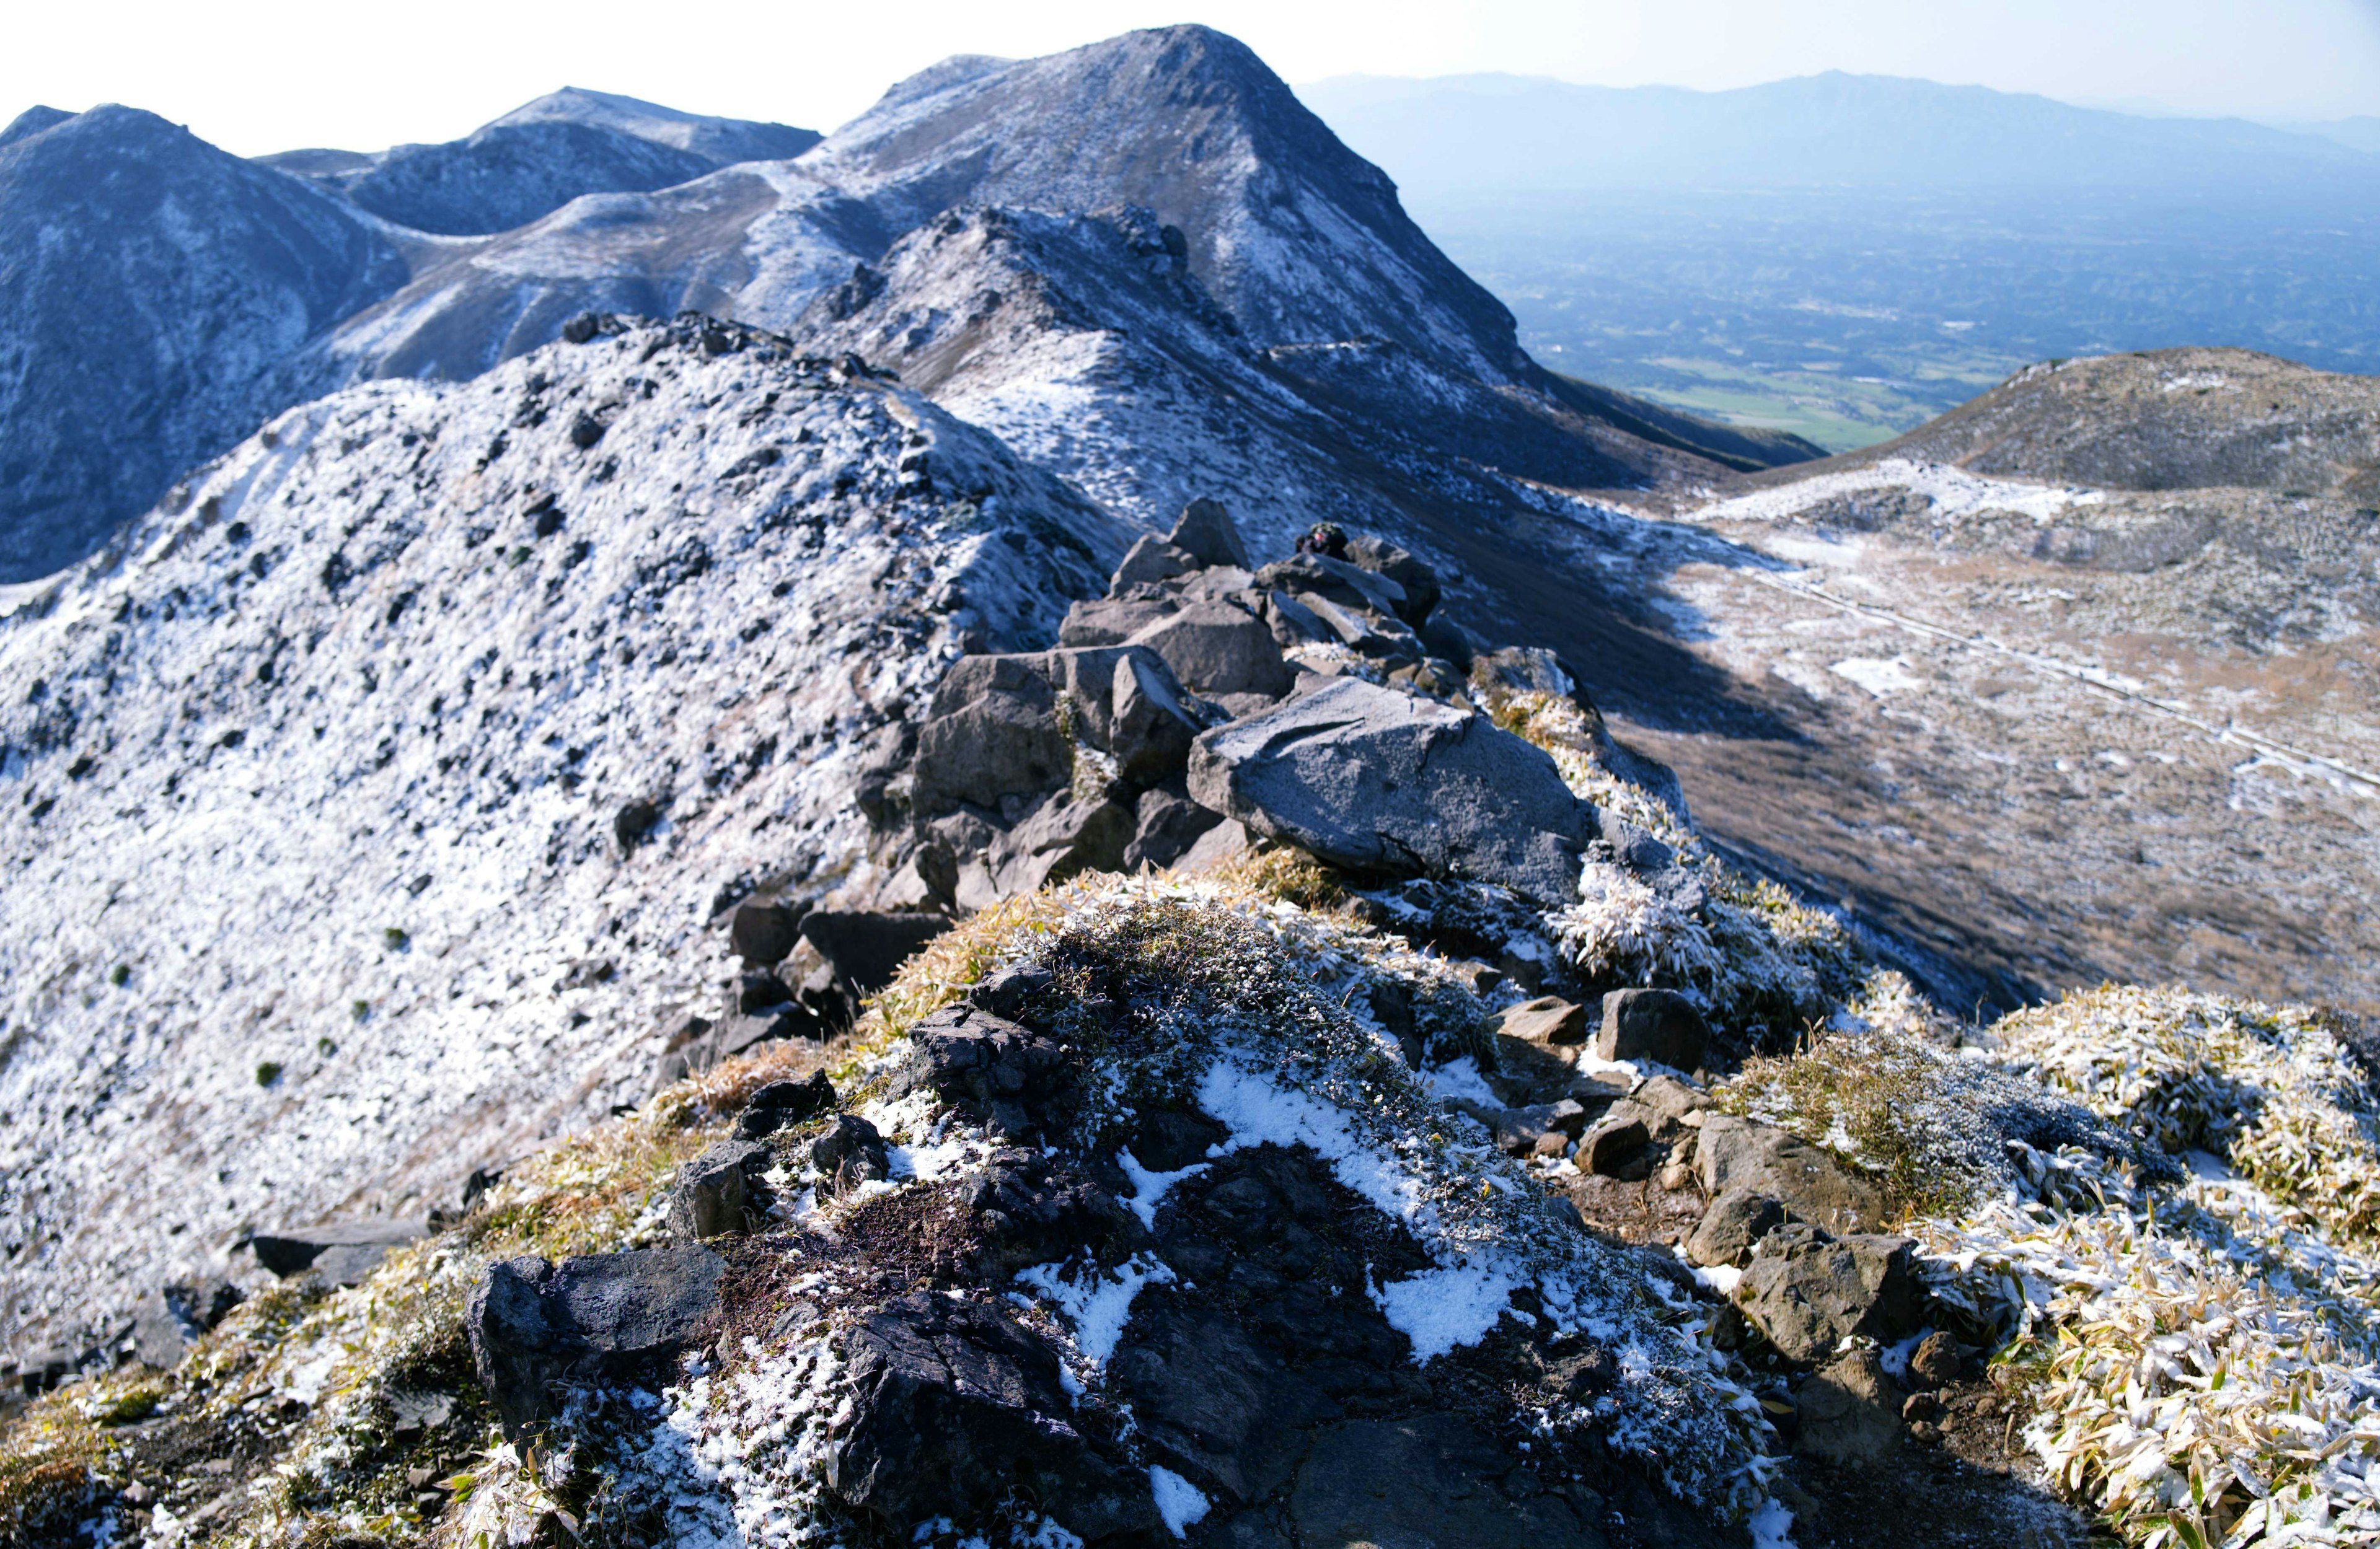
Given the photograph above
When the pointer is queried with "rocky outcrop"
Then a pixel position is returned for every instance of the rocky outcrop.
(1808, 1293)
(1736, 1155)
(538, 1328)
(1389, 784)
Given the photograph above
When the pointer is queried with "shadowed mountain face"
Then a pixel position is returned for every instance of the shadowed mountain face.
(150, 281)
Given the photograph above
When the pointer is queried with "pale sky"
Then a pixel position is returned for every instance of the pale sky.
(269, 75)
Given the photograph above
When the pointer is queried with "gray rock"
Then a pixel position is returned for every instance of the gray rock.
(720, 1192)
(1848, 1410)
(1063, 838)
(1150, 558)
(1381, 636)
(1380, 782)
(1165, 825)
(1315, 575)
(1616, 1141)
(1150, 728)
(1207, 533)
(1433, 1482)
(1110, 620)
(1547, 1019)
(171, 1318)
(763, 934)
(1672, 1100)
(1383, 558)
(1218, 648)
(1733, 1152)
(1735, 1221)
(538, 1327)
(1808, 1291)
(1292, 622)
(991, 732)
(1657, 1024)
(865, 949)
(1013, 990)
(342, 1251)
(1217, 845)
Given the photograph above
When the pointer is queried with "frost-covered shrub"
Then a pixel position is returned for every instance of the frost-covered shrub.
(1761, 965)
(1939, 1131)
(2269, 1089)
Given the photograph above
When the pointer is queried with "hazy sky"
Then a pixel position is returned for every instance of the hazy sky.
(269, 75)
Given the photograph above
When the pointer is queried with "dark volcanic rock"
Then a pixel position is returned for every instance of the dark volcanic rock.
(998, 1073)
(536, 1327)
(1657, 1024)
(342, 1251)
(1433, 1482)
(780, 1103)
(955, 1405)
(764, 935)
(850, 1152)
(865, 949)
(1808, 1291)
(1206, 532)
(1385, 782)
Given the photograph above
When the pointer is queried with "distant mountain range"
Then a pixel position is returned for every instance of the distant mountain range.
(1499, 133)
(1844, 257)
(233, 289)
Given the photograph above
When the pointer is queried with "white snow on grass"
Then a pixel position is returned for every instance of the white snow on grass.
(1460, 1078)
(1881, 676)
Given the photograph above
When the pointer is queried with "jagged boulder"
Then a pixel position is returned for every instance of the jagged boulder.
(1417, 580)
(1387, 783)
(1733, 1152)
(536, 1327)
(341, 1253)
(1149, 560)
(955, 1406)
(721, 1190)
(1003, 730)
(1808, 1291)
(171, 1317)
(1219, 649)
(1657, 1024)
(1166, 823)
(1735, 1223)
(850, 1152)
(1206, 532)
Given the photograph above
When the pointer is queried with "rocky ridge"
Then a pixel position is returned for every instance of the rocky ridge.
(418, 669)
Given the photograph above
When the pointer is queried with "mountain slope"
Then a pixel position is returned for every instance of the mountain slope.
(2166, 420)
(720, 142)
(313, 853)
(153, 284)
(538, 157)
